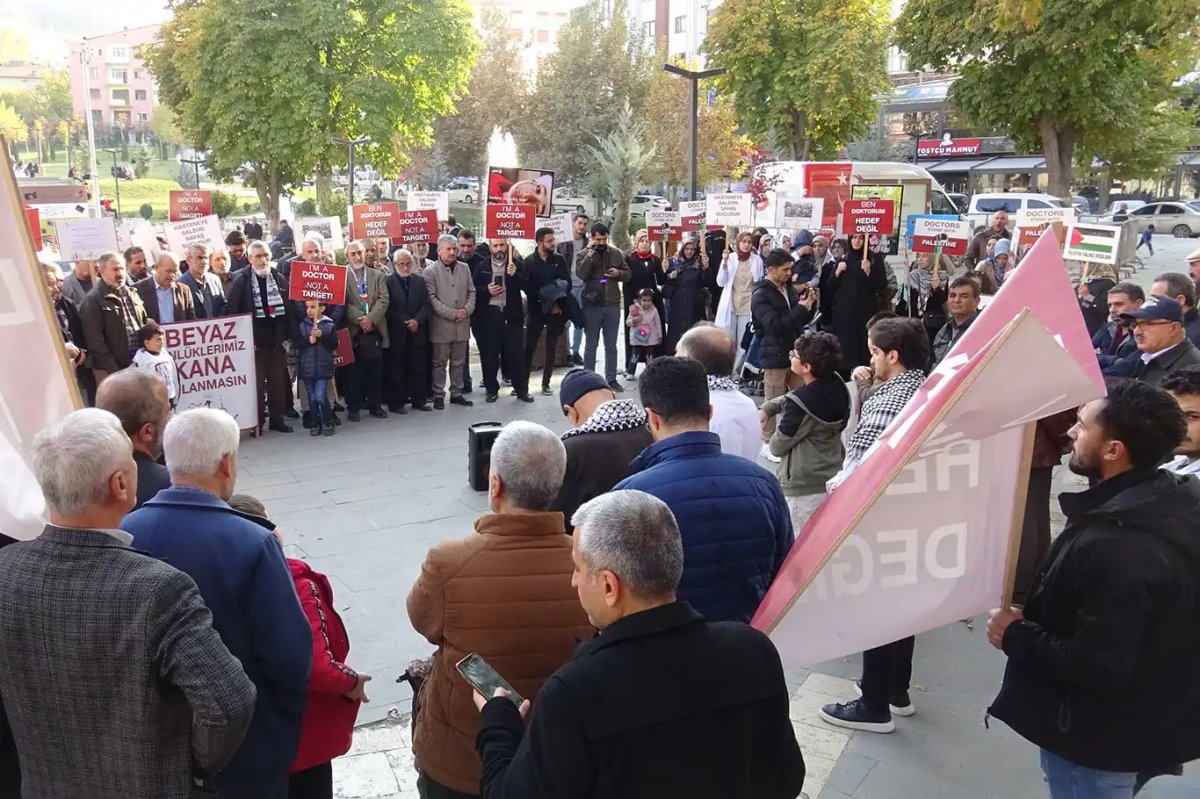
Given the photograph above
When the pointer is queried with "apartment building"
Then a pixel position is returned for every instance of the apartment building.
(108, 67)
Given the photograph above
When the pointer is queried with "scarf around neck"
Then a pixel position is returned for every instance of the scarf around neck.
(610, 417)
(272, 304)
(721, 383)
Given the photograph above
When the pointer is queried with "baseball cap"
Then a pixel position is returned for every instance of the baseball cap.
(1162, 308)
(578, 382)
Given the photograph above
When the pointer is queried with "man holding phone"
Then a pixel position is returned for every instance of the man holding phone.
(602, 269)
(660, 685)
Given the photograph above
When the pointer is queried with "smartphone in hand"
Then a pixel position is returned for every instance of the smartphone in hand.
(484, 679)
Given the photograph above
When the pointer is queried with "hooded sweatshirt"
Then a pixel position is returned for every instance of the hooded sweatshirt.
(808, 438)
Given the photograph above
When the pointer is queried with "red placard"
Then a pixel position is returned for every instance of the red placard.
(188, 204)
(930, 243)
(375, 220)
(509, 221)
(869, 216)
(417, 227)
(34, 220)
(934, 148)
(324, 282)
(344, 354)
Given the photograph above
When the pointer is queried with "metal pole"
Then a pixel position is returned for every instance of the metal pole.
(196, 166)
(86, 57)
(694, 121)
(351, 173)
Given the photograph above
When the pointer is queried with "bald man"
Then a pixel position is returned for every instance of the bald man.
(735, 416)
(139, 400)
(165, 298)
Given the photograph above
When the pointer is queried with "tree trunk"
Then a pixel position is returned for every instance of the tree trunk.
(324, 180)
(1059, 148)
(1105, 189)
(266, 184)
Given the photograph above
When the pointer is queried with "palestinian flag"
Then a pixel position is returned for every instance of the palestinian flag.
(1092, 243)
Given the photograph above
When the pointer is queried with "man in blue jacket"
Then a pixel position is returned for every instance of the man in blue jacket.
(244, 579)
(731, 512)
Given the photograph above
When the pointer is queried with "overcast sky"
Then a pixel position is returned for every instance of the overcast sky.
(50, 23)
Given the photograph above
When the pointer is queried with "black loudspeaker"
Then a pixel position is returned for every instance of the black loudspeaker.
(480, 437)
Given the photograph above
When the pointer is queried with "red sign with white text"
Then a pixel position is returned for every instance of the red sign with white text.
(376, 220)
(509, 221)
(324, 282)
(183, 205)
(933, 148)
(34, 219)
(417, 227)
(344, 354)
(869, 216)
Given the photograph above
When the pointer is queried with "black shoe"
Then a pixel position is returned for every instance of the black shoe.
(467, 389)
(314, 429)
(576, 359)
(856, 716)
(400, 410)
(337, 420)
(439, 404)
(306, 420)
(547, 391)
(337, 407)
(524, 398)
(329, 430)
(489, 398)
(424, 406)
(354, 415)
(378, 412)
(281, 427)
(898, 702)
(291, 413)
(463, 401)
(615, 386)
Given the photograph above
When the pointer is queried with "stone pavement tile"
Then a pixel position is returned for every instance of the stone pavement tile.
(366, 776)
(848, 774)
(401, 761)
(816, 772)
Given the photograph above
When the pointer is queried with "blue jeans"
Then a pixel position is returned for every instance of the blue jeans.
(318, 400)
(1068, 780)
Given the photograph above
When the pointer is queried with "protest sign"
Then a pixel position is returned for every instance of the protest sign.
(57, 200)
(918, 535)
(519, 186)
(375, 220)
(436, 201)
(561, 225)
(509, 221)
(37, 385)
(416, 227)
(1032, 222)
(729, 209)
(664, 225)
(344, 354)
(869, 216)
(691, 215)
(34, 221)
(324, 282)
(215, 358)
(188, 204)
(85, 239)
(204, 230)
(831, 183)
(1096, 243)
(800, 213)
(947, 236)
(330, 228)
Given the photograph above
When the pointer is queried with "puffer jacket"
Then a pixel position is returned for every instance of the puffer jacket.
(779, 319)
(732, 516)
(505, 594)
(316, 360)
(808, 438)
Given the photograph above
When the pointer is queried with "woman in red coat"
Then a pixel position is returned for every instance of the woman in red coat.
(335, 690)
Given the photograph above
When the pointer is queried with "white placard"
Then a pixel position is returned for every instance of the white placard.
(1095, 243)
(1036, 217)
(429, 201)
(799, 213)
(692, 209)
(215, 358)
(53, 211)
(729, 209)
(204, 230)
(656, 219)
(330, 228)
(85, 239)
(933, 228)
(560, 224)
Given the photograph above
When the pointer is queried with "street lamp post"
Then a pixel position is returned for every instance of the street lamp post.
(351, 143)
(85, 55)
(693, 114)
(195, 162)
(116, 180)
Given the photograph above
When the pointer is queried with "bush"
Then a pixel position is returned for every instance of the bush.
(141, 161)
(185, 176)
(335, 206)
(146, 211)
(224, 204)
(307, 208)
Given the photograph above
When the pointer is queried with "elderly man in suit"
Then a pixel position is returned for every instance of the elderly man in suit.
(208, 292)
(368, 332)
(245, 581)
(80, 281)
(408, 336)
(165, 299)
(145, 698)
(112, 314)
(138, 398)
(452, 295)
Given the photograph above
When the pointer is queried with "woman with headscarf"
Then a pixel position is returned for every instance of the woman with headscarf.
(805, 269)
(925, 291)
(765, 245)
(737, 276)
(991, 272)
(646, 272)
(850, 297)
(684, 291)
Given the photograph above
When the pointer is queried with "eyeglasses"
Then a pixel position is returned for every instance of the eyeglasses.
(795, 356)
(1136, 323)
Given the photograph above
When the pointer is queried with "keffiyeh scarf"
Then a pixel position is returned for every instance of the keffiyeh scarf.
(717, 383)
(273, 304)
(610, 417)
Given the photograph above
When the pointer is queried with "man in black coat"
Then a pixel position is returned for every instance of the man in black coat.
(1103, 659)
(498, 322)
(542, 268)
(1159, 333)
(408, 337)
(780, 312)
(662, 703)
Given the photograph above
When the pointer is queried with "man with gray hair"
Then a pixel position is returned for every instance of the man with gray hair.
(734, 415)
(139, 399)
(112, 314)
(452, 296)
(503, 593)
(208, 292)
(243, 577)
(145, 699)
(660, 685)
(165, 299)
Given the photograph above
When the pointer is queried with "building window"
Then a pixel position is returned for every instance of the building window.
(97, 117)
(139, 94)
(648, 29)
(137, 74)
(119, 75)
(120, 96)
(680, 24)
(94, 73)
(120, 52)
(143, 116)
(95, 94)
(543, 36)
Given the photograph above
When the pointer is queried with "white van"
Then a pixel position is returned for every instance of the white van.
(984, 205)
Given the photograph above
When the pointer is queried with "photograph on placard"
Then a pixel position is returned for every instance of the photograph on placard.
(799, 213)
(885, 245)
(521, 186)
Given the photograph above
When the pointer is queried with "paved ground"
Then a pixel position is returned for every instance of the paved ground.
(366, 505)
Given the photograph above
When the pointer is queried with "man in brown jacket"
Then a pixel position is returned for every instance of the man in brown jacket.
(503, 593)
(602, 269)
(112, 314)
(452, 294)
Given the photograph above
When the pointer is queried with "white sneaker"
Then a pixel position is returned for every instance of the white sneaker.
(765, 452)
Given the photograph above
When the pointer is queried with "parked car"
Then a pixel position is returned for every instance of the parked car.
(1082, 204)
(961, 201)
(460, 191)
(1119, 210)
(1180, 218)
(982, 206)
(570, 199)
(643, 203)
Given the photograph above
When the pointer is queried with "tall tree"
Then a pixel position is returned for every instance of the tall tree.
(269, 82)
(12, 127)
(497, 97)
(1074, 79)
(804, 74)
(600, 65)
(622, 159)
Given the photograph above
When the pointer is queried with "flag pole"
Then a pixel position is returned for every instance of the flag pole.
(1017, 520)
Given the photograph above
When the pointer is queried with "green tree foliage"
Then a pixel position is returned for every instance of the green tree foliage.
(12, 127)
(146, 211)
(268, 82)
(224, 204)
(142, 157)
(44, 107)
(497, 97)
(622, 160)
(1074, 79)
(600, 66)
(803, 75)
